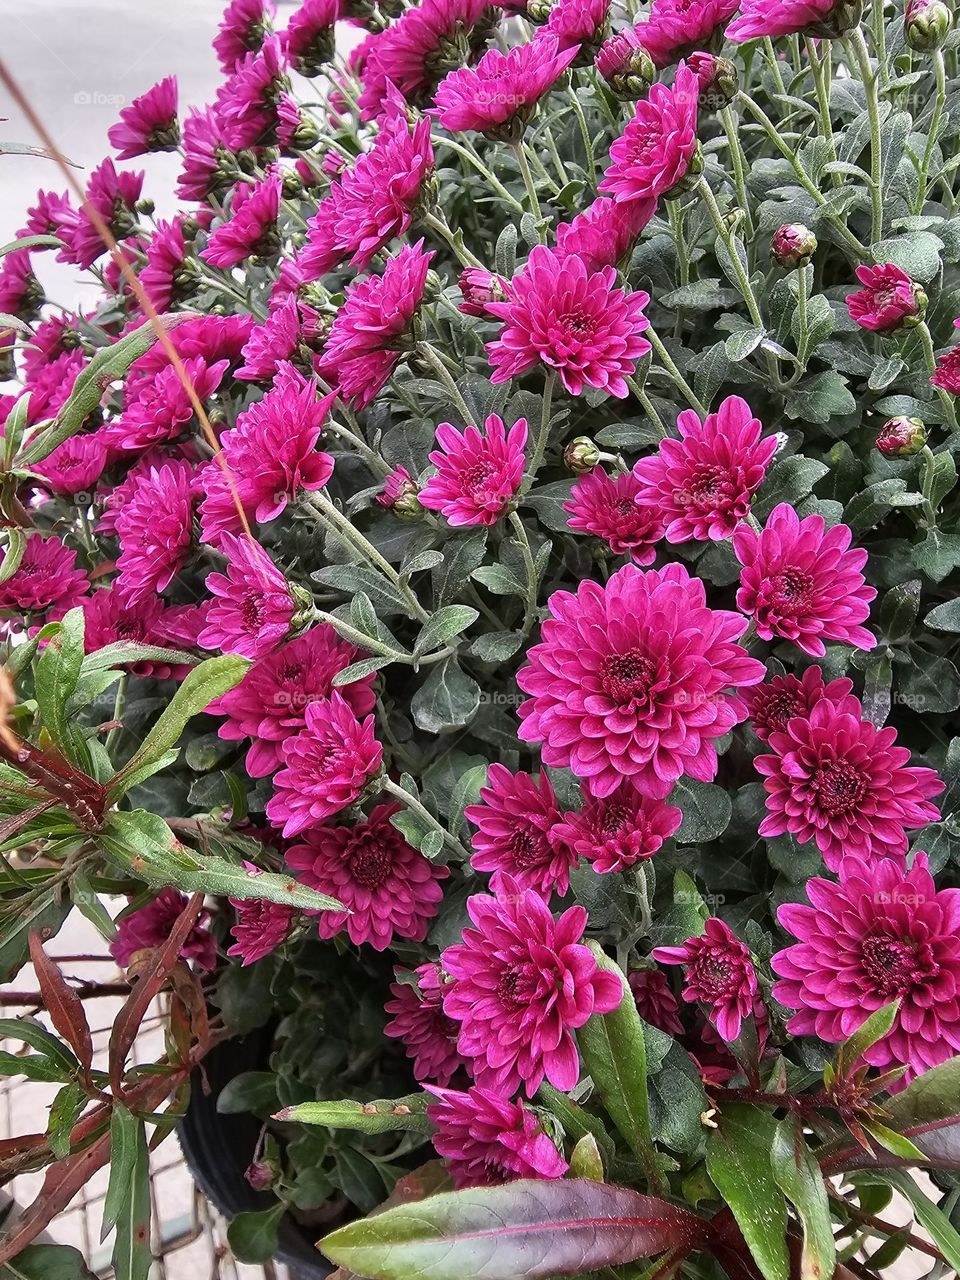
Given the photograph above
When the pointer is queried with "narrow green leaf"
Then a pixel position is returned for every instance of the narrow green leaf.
(132, 1256)
(34, 1066)
(738, 1161)
(125, 1133)
(585, 1159)
(39, 1038)
(798, 1176)
(445, 624)
(867, 1034)
(384, 1115)
(123, 652)
(12, 554)
(46, 913)
(64, 1112)
(57, 674)
(893, 1142)
(929, 1215)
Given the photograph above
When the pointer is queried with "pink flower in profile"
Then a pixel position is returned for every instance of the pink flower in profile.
(760, 18)
(363, 348)
(631, 680)
(74, 466)
(840, 781)
(46, 580)
(391, 891)
(149, 123)
(149, 927)
(884, 933)
(260, 926)
(605, 233)
(165, 274)
(212, 337)
(655, 149)
(619, 830)
(242, 30)
(618, 61)
(279, 338)
(113, 194)
(773, 704)
(887, 300)
(803, 582)
(309, 35)
(655, 1001)
(248, 101)
(720, 976)
(577, 22)
(154, 529)
(702, 483)
(428, 1035)
(677, 27)
(399, 490)
(947, 373)
(208, 163)
(606, 507)
(21, 293)
(498, 96)
(254, 610)
(478, 287)
(45, 217)
(478, 473)
(524, 982)
(515, 823)
(488, 1140)
(568, 318)
(161, 407)
(251, 230)
(269, 704)
(108, 619)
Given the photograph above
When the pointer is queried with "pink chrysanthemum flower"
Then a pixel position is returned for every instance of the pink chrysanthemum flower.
(327, 765)
(840, 781)
(478, 473)
(577, 23)
(720, 976)
(108, 619)
(606, 507)
(364, 345)
(802, 581)
(888, 299)
(309, 35)
(154, 529)
(162, 408)
(773, 704)
(655, 149)
(655, 1002)
(488, 1140)
(515, 824)
(760, 18)
(247, 103)
(208, 162)
(270, 343)
(46, 580)
(499, 95)
(251, 230)
(373, 202)
(74, 466)
(254, 610)
(630, 680)
(524, 982)
(46, 216)
(213, 337)
(243, 28)
(149, 928)
(947, 373)
(269, 704)
(21, 293)
(619, 830)
(882, 934)
(149, 123)
(568, 318)
(478, 287)
(428, 1035)
(113, 194)
(260, 926)
(702, 483)
(389, 888)
(605, 233)
(400, 490)
(676, 27)
(165, 274)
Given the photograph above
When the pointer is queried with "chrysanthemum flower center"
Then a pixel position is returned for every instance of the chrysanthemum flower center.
(614, 819)
(713, 976)
(625, 507)
(252, 611)
(528, 848)
(518, 986)
(627, 677)
(778, 709)
(577, 325)
(645, 144)
(370, 866)
(792, 589)
(705, 486)
(839, 787)
(895, 965)
(476, 479)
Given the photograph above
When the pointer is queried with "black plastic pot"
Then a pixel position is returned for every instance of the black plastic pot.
(218, 1149)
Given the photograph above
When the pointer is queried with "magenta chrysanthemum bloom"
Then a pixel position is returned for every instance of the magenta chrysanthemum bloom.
(260, 926)
(882, 934)
(773, 704)
(374, 201)
(154, 529)
(578, 22)
(759, 18)
(20, 291)
(702, 483)
(363, 348)
(165, 271)
(498, 96)
(478, 287)
(606, 507)
(150, 927)
(161, 407)
(720, 976)
(630, 680)
(309, 35)
(803, 582)
(428, 1035)
(840, 781)
(655, 149)
(113, 194)
(149, 123)
(478, 473)
(389, 888)
(46, 579)
(251, 230)
(888, 299)
(568, 318)
(46, 216)
(247, 103)
(605, 233)
(515, 824)
(269, 704)
(488, 1140)
(947, 373)
(399, 490)
(74, 466)
(242, 30)
(619, 830)
(523, 983)
(254, 610)
(655, 1002)
(207, 160)
(677, 27)
(270, 343)
(327, 765)
(108, 619)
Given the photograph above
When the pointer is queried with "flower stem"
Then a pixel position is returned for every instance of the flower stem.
(869, 77)
(584, 133)
(740, 271)
(679, 380)
(413, 804)
(519, 150)
(934, 130)
(739, 168)
(469, 154)
(647, 404)
(540, 444)
(530, 607)
(443, 373)
(438, 223)
(930, 360)
(823, 99)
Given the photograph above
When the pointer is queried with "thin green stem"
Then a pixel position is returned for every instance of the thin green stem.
(413, 804)
(370, 457)
(930, 360)
(584, 134)
(443, 373)
(543, 435)
(663, 355)
(530, 603)
(823, 98)
(879, 42)
(470, 155)
(869, 77)
(647, 404)
(774, 63)
(737, 160)
(520, 151)
(934, 130)
(438, 223)
(723, 233)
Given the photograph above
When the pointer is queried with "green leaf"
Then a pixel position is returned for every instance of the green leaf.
(125, 1135)
(898, 612)
(547, 500)
(47, 1262)
(496, 646)
(706, 808)
(39, 1038)
(30, 242)
(34, 1066)
(820, 397)
(929, 1215)
(585, 1159)
(254, 1091)
(917, 253)
(45, 914)
(937, 555)
(12, 554)
(945, 617)
(461, 555)
(789, 480)
(132, 1256)
(500, 580)
(253, 1236)
(465, 793)
(57, 674)
(738, 1161)
(450, 621)
(893, 1142)
(384, 1115)
(447, 699)
(866, 1035)
(124, 652)
(530, 1228)
(931, 685)
(64, 1112)
(798, 1176)
(741, 344)
(868, 508)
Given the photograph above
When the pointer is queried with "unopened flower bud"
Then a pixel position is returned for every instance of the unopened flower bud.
(292, 184)
(145, 205)
(793, 245)
(581, 455)
(625, 65)
(717, 78)
(926, 24)
(261, 1174)
(400, 494)
(689, 179)
(538, 10)
(901, 437)
(305, 136)
(479, 287)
